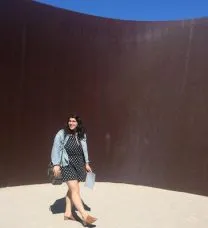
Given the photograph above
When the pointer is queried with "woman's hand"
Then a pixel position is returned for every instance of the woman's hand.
(56, 170)
(88, 168)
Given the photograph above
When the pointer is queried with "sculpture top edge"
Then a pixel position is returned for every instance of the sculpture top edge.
(117, 20)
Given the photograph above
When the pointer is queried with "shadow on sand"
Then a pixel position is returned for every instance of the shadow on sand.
(58, 207)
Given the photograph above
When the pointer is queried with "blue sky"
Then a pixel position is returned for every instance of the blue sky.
(136, 9)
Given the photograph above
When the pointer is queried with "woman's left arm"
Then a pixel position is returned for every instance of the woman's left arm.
(85, 151)
(85, 148)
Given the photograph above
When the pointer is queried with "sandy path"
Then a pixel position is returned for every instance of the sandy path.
(115, 205)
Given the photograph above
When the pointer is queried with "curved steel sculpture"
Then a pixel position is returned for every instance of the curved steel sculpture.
(141, 88)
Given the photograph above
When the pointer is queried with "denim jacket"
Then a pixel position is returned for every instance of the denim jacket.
(59, 155)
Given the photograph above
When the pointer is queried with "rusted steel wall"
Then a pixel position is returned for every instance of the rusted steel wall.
(140, 87)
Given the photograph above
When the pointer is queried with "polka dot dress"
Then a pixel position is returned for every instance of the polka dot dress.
(76, 168)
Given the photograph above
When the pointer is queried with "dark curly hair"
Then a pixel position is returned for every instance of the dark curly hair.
(80, 128)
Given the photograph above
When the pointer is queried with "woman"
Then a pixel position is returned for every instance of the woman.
(70, 160)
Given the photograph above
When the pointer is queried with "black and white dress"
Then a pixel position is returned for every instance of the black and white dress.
(76, 168)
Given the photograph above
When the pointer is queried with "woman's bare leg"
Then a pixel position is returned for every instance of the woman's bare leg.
(68, 209)
(75, 196)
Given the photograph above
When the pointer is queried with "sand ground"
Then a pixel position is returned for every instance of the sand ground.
(115, 206)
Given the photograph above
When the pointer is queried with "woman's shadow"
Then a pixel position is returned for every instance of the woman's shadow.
(59, 207)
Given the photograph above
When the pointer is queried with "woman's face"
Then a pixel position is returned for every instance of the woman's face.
(72, 123)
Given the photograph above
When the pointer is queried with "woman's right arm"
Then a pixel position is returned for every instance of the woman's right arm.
(57, 148)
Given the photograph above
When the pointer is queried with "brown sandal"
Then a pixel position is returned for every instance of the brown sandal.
(89, 220)
(69, 218)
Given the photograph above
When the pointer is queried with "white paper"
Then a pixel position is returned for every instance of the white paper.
(90, 180)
